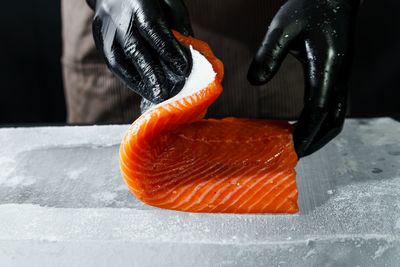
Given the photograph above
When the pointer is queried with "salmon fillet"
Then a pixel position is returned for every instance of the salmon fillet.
(172, 158)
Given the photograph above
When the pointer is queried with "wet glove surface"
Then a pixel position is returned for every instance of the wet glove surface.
(319, 33)
(135, 39)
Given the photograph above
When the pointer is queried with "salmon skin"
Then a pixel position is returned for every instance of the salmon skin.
(171, 158)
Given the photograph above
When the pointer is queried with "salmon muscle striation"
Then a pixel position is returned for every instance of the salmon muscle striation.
(174, 159)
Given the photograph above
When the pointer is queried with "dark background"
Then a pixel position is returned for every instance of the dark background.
(31, 89)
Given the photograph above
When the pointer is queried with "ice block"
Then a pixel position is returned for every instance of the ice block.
(63, 203)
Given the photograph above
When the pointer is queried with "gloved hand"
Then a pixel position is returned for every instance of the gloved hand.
(319, 33)
(134, 37)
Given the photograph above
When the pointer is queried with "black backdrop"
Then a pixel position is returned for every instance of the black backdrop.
(374, 83)
(30, 72)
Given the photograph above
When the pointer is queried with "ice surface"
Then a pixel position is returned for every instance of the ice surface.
(63, 203)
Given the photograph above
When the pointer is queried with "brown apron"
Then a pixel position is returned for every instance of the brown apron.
(234, 29)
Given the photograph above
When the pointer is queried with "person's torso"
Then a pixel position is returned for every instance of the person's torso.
(234, 29)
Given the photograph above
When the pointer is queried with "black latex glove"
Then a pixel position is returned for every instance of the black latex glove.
(319, 33)
(135, 39)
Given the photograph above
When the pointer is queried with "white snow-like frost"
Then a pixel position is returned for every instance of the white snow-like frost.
(201, 76)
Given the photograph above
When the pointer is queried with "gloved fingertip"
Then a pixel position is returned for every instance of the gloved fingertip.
(159, 95)
(145, 105)
(258, 74)
(153, 92)
(182, 64)
(300, 147)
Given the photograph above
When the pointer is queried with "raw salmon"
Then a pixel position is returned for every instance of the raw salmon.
(172, 158)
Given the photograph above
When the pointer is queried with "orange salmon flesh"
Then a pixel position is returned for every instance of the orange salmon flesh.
(174, 159)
